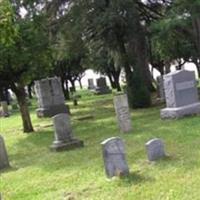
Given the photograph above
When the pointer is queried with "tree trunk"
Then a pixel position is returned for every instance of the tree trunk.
(73, 84)
(25, 115)
(30, 90)
(80, 83)
(116, 80)
(112, 83)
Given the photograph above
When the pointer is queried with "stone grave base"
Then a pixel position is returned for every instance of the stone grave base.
(179, 112)
(66, 145)
(100, 91)
(52, 110)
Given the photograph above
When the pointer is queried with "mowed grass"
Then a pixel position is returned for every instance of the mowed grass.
(36, 173)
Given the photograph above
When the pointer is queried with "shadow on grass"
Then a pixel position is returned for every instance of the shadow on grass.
(134, 178)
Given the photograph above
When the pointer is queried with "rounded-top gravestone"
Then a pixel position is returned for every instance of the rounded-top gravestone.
(114, 157)
(155, 149)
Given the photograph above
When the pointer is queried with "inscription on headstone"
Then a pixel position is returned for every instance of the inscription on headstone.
(181, 95)
(63, 134)
(50, 96)
(114, 157)
(122, 112)
(155, 149)
(4, 163)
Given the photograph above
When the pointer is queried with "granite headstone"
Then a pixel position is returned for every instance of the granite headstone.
(155, 149)
(181, 95)
(114, 157)
(91, 85)
(50, 96)
(4, 163)
(102, 87)
(122, 112)
(64, 139)
(5, 111)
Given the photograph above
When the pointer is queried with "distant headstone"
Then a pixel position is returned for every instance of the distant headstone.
(4, 163)
(102, 87)
(4, 106)
(91, 85)
(63, 134)
(114, 157)
(51, 100)
(160, 88)
(181, 95)
(155, 149)
(122, 112)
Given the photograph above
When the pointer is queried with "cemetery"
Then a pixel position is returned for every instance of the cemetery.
(100, 100)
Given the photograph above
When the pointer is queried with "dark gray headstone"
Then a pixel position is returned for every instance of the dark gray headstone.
(155, 149)
(181, 95)
(122, 112)
(4, 163)
(102, 87)
(91, 85)
(114, 157)
(63, 134)
(50, 97)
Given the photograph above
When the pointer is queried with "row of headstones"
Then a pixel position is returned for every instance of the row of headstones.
(113, 149)
(179, 90)
(101, 86)
(115, 158)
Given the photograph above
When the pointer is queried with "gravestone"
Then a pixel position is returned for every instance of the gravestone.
(64, 139)
(114, 157)
(4, 163)
(181, 95)
(155, 149)
(122, 112)
(102, 87)
(160, 88)
(4, 106)
(51, 100)
(91, 85)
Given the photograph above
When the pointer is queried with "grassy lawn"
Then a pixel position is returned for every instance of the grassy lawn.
(38, 174)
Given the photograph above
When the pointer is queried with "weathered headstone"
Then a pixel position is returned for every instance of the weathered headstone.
(102, 87)
(63, 134)
(122, 112)
(180, 94)
(50, 96)
(91, 85)
(4, 163)
(4, 106)
(114, 157)
(155, 149)
(160, 88)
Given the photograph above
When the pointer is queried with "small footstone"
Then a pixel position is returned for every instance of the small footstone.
(63, 134)
(4, 163)
(155, 149)
(114, 157)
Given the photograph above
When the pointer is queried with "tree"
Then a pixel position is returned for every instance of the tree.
(21, 61)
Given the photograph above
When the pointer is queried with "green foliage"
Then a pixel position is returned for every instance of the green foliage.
(8, 29)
